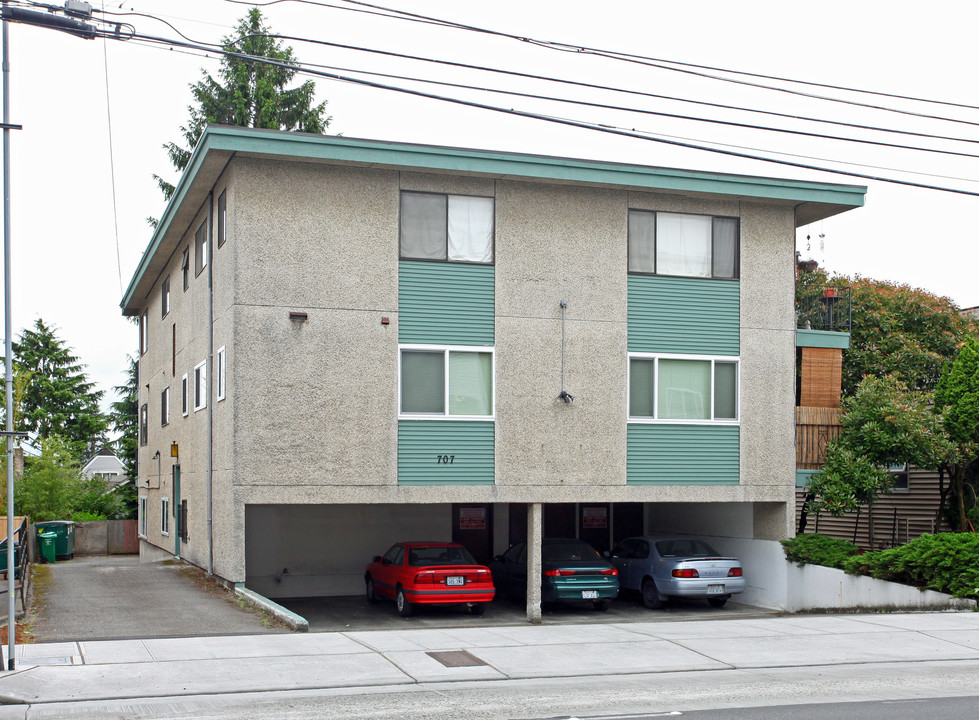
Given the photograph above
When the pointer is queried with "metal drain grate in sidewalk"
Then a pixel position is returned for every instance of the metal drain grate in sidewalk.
(456, 658)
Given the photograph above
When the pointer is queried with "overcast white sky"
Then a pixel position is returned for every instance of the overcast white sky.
(70, 270)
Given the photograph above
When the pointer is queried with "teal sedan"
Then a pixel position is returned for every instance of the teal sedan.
(572, 571)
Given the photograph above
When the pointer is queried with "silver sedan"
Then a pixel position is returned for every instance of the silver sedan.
(663, 567)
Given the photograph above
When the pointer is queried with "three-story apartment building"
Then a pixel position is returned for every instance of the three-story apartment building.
(346, 343)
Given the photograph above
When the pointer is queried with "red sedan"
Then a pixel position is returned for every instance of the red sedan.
(429, 573)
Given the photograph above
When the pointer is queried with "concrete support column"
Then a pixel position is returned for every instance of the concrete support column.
(535, 525)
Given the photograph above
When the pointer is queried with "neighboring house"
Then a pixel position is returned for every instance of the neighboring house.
(345, 343)
(107, 466)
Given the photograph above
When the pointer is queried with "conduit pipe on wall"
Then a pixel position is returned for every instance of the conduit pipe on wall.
(210, 371)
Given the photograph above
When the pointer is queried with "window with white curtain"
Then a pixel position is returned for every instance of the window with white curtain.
(446, 382)
(450, 228)
(683, 388)
(684, 245)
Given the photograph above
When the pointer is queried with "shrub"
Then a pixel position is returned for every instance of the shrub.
(947, 562)
(818, 550)
(87, 517)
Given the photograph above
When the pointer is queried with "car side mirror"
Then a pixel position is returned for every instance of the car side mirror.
(377, 558)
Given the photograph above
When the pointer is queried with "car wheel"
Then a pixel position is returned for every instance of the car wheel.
(601, 605)
(403, 604)
(650, 595)
(718, 602)
(477, 609)
(371, 595)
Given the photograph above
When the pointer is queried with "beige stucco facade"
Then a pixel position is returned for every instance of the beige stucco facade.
(310, 412)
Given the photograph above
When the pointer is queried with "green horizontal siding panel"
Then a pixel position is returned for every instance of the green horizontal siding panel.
(446, 303)
(446, 452)
(683, 454)
(684, 315)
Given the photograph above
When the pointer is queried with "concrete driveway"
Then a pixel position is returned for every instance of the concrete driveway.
(116, 597)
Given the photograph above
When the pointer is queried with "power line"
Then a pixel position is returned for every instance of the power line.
(567, 122)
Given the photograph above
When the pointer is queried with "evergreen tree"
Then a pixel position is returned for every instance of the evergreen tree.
(124, 415)
(248, 93)
(57, 399)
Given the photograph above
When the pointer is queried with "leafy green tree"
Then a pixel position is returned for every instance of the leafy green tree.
(124, 415)
(248, 93)
(98, 499)
(898, 330)
(57, 399)
(957, 400)
(882, 424)
(50, 487)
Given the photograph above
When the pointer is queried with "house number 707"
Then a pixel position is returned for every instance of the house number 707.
(445, 459)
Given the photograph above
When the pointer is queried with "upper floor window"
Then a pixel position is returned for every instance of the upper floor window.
(185, 267)
(453, 228)
(200, 249)
(221, 366)
(200, 386)
(222, 219)
(900, 476)
(165, 295)
(144, 330)
(683, 388)
(165, 407)
(144, 422)
(685, 245)
(142, 516)
(446, 381)
(184, 395)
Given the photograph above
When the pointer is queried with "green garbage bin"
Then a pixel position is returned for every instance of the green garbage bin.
(64, 531)
(46, 546)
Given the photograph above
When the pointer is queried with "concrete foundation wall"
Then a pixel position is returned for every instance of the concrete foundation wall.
(812, 587)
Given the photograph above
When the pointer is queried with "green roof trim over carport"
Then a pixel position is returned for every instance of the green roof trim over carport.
(218, 144)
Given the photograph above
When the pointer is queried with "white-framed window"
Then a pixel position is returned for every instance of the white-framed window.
(450, 228)
(185, 395)
(200, 386)
(185, 267)
(200, 249)
(900, 477)
(144, 333)
(165, 516)
(165, 407)
(142, 516)
(663, 243)
(222, 218)
(683, 388)
(220, 367)
(144, 423)
(165, 295)
(446, 382)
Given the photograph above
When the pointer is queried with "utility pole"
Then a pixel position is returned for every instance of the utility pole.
(74, 27)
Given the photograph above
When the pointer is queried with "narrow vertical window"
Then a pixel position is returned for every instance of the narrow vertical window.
(165, 516)
(200, 386)
(142, 517)
(220, 369)
(185, 268)
(165, 407)
(185, 395)
(182, 521)
(222, 219)
(173, 350)
(143, 333)
(200, 249)
(143, 424)
(165, 295)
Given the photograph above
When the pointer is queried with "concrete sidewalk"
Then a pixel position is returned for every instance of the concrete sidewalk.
(121, 669)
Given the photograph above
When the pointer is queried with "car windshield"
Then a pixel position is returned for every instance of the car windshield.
(684, 548)
(439, 555)
(562, 552)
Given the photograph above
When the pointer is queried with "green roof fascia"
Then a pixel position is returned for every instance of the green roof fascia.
(176, 201)
(822, 339)
(802, 477)
(428, 157)
(229, 140)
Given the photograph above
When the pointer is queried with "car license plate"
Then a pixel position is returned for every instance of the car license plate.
(589, 594)
(455, 580)
(715, 589)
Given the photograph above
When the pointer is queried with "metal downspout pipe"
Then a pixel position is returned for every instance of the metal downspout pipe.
(208, 473)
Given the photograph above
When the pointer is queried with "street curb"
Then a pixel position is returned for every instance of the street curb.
(296, 622)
